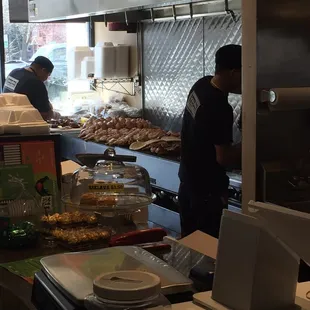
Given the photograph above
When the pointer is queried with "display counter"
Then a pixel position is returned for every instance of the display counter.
(17, 154)
(20, 292)
(15, 293)
(163, 172)
(17, 290)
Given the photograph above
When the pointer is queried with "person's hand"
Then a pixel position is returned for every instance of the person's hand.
(56, 115)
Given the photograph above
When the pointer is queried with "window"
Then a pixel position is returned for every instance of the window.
(24, 42)
(59, 54)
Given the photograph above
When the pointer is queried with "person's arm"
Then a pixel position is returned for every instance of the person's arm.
(220, 122)
(227, 155)
(51, 114)
(39, 99)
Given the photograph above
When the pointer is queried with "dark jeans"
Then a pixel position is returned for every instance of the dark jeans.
(200, 211)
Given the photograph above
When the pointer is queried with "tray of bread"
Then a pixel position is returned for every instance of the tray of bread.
(138, 134)
(82, 239)
(69, 220)
(65, 124)
(76, 230)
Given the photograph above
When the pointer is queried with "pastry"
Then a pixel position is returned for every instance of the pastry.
(77, 217)
(80, 235)
(90, 199)
(68, 220)
(93, 199)
(65, 219)
(92, 219)
(107, 201)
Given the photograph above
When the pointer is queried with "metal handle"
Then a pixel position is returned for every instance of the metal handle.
(90, 160)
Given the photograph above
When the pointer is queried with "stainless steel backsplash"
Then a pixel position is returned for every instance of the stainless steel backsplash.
(175, 56)
(283, 144)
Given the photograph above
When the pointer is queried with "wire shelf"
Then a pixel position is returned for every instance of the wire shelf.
(114, 83)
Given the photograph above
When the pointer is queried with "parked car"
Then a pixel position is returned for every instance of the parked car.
(14, 64)
(57, 53)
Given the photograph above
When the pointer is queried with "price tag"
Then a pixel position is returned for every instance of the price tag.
(47, 202)
(106, 187)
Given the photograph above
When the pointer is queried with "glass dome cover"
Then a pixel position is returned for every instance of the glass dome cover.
(105, 183)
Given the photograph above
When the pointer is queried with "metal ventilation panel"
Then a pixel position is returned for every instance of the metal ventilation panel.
(173, 62)
(42, 10)
(175, 56)
(18, 10)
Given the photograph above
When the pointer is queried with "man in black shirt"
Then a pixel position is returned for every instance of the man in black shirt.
(207, 145)
(29, 81)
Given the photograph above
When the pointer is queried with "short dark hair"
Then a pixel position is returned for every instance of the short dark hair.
(44, 63)
(228, 57)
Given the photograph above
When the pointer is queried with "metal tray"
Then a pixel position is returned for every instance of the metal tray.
(65, 130)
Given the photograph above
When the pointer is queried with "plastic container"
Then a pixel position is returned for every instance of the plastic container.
(122, 61)
(18, 116)
(105, 60)
(127, 290)
(75, 58)
(8, 100)
(87, 67)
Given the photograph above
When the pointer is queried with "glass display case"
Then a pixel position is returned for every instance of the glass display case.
(105, 184)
